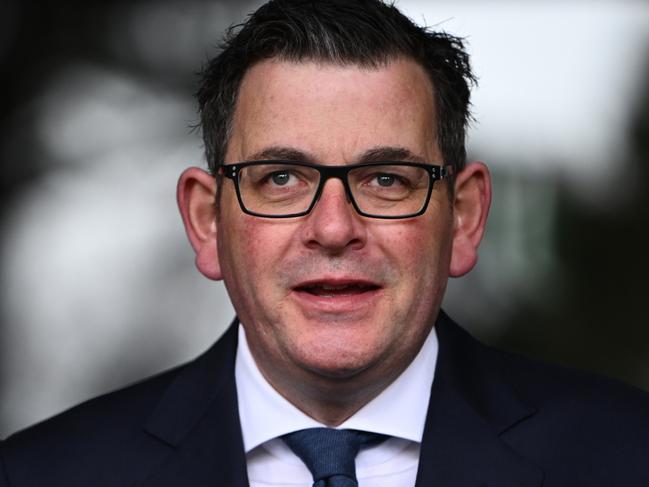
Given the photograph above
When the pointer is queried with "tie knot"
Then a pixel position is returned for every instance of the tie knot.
(329, 452)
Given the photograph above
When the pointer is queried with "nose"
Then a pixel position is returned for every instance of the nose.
(333, 223)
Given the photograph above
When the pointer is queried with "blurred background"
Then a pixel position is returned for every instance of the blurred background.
(97, 282)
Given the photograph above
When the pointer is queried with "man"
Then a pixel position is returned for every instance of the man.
(336, 207)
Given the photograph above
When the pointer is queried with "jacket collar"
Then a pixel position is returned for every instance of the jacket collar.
(472, 404)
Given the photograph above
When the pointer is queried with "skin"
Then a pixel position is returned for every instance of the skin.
(331, 354)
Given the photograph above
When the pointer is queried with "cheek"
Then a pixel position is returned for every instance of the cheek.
(254, 248)
(421, 251)
(418, 248)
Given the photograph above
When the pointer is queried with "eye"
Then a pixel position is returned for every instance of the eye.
(280, 178)
(385, 180)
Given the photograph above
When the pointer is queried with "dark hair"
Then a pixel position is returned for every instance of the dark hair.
(368, 33)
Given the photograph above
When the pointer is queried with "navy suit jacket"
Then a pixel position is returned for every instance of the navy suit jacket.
(494, 419)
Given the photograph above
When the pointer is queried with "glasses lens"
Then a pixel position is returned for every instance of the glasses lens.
(390, 190)
(277, 189)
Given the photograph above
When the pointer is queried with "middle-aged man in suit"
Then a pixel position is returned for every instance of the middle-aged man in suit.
(336, 206)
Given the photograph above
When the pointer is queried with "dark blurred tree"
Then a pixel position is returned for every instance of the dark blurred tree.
(600, 321)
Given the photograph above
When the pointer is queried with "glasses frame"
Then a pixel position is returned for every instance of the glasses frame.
(435, 173)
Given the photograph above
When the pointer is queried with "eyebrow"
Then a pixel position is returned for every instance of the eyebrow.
(388, 153)
(283, 153)
(375, 154)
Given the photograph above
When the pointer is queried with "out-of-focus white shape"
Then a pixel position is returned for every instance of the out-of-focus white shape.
(99, 287)
(557, 81)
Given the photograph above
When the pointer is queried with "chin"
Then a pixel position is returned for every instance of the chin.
(336, 363)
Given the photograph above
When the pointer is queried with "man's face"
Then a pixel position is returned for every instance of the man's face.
(334, 294)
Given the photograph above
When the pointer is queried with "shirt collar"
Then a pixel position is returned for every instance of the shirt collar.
(399, 410)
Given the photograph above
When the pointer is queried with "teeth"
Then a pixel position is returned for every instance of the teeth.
(336, 288)
(330, 287)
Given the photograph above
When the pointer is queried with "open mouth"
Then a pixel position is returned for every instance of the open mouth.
(323, 289)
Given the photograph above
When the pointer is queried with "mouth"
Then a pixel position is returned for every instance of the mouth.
(329, 289)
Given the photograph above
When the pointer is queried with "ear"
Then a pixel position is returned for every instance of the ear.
(470, 209)
(196, 197)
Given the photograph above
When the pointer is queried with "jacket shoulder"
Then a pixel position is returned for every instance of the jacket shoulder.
(123, 437)
(543, 386)
(584, 423)
(573, 424)
(577, 427)
(94, 440)
(563, 390)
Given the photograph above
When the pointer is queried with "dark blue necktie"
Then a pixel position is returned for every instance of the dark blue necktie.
(330, 454)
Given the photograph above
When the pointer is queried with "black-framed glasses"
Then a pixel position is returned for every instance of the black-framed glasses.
(286, 189)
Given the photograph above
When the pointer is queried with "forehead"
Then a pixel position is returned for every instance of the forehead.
(332, 111)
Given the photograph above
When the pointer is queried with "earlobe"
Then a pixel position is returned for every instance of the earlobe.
(471, 206)
(196, 196)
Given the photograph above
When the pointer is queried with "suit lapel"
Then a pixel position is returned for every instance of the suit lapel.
(198, 420)
(472, 405)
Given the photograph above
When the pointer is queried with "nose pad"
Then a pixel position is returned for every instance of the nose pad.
(334, 223)
(336, 189)
(338, 182)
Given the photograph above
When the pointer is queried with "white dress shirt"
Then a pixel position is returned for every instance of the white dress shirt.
(399, 412)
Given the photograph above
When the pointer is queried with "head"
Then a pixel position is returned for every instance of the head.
(367, 33)
(335, 305)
